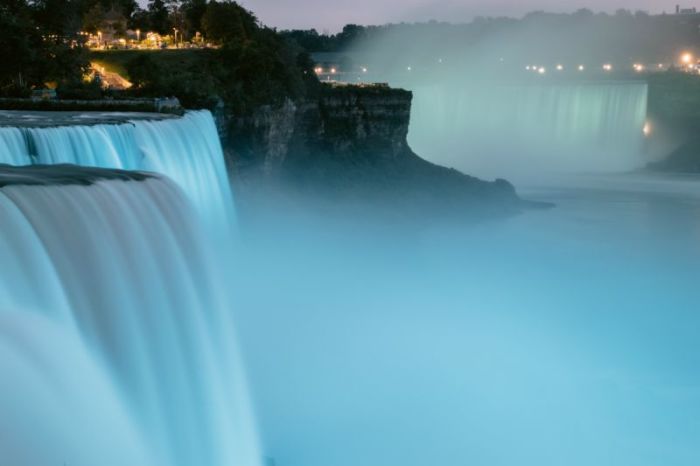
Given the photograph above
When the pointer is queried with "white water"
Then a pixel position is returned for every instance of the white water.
(187, 150)
(508, 129)
(116, 337)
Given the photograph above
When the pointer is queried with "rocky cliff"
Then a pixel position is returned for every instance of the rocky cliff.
(350, 143)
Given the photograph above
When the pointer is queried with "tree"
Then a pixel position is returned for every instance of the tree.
(227, 21)
(94, 19)
(159, 17)
(19, 42)
(194, 12)
(34, 51)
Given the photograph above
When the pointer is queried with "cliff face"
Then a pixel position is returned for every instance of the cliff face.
(342, 123)
(350, 142)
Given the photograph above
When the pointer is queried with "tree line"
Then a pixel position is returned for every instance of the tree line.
(42, 42)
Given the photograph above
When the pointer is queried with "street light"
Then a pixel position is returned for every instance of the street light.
(581, 67)
(687, 58)
(138, 35)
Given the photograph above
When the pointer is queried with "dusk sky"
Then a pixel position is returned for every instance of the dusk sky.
(331, 15)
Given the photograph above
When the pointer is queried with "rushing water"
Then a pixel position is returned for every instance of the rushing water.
(500, 129)
(116, 333)
(187, 150)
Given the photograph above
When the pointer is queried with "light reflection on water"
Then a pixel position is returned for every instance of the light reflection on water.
(564, 336)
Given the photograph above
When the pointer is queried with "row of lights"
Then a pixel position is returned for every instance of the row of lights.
(687, 59)
(606, 67)
(319, 70)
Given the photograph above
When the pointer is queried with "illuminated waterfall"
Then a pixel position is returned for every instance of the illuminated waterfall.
(549, 126)
(116, 335)
(186, 150)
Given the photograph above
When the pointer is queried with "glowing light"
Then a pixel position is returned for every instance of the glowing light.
(687, 58)
(647, 129)
(581, 67)
(333, 71)
(527, 67)
(364, 70)
(409, 68)
(560, 67)
(542, 70)
(638, 67)
(661, 65)
(607, 67)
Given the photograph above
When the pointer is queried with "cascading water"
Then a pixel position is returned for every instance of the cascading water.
(113, 321)
(496, 128)
(186, 150)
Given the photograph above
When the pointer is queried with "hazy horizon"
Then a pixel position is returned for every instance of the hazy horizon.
(331, 17)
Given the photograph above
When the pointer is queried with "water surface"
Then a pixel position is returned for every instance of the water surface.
(564, 336)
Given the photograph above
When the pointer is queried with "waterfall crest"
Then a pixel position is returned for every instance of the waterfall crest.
(186, 150)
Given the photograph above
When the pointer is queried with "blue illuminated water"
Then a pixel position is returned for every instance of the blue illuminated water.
(187, 150)
(117, 341)
(564, 336)
(503, 129)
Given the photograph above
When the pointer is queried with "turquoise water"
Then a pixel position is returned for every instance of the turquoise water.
(560, 336)
(506, 129)
(116, 335)
(564, 336)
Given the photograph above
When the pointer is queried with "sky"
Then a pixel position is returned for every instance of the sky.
(331, 15)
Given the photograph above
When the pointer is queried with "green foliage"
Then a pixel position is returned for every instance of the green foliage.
(33, 52)
(254, 66)
(194, 12)
(158, 17)
(190, 76)
(228, 22)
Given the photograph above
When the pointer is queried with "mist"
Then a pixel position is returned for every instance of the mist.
(559, 336)
(516, 98)
(565, 336)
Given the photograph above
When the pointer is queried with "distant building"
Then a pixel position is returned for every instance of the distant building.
(686, 11)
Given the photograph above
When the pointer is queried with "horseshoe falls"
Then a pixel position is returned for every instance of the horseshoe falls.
(507, 129)
(117, 340)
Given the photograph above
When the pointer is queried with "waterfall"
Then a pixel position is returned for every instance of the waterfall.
(186, 150)
(539, 127)
(115, 325)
